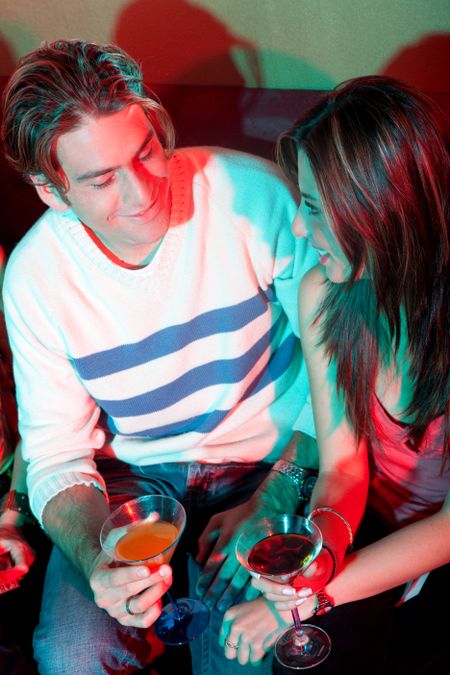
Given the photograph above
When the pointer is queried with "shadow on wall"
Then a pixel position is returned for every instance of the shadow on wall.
(425, 64)
(177, 42)
(210, 80)
(16, 197)
(15, 39)
(180, 44)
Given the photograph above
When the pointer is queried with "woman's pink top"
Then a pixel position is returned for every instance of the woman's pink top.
(406, 483)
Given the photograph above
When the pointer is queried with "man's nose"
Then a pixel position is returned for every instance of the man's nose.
(135, 189)
(299, 225)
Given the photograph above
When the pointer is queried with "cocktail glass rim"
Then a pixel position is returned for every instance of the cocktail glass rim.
(266, 520)
(141, 561)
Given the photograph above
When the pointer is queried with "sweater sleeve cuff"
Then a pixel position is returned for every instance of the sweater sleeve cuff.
(40, 497)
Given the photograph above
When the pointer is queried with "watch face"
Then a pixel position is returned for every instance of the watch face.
(308, 486)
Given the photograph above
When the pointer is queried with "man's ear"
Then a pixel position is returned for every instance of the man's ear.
(49, 194)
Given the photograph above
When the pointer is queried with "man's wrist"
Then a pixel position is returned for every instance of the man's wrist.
(73, 519)
(276, 494)
(301, 477)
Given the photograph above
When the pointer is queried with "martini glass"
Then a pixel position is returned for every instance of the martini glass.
(278, 549)
(146, 531)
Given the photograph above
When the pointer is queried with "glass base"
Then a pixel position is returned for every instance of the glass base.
(192, 619)
(307, 650)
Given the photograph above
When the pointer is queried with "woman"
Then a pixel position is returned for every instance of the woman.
(15, 553)
(19, 589)
(371, 160)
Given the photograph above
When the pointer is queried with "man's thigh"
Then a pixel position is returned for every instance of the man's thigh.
(75, 636)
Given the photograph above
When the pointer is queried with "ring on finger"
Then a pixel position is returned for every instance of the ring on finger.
(127, 607)
(230, 644)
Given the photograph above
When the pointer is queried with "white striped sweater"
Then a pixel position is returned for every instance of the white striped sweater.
(192, 358)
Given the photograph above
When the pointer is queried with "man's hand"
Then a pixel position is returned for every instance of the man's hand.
(222, 577)
(130, 593)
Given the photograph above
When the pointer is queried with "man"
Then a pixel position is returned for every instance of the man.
(152, 316)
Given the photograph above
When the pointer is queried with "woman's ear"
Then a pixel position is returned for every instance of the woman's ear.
(49, 194)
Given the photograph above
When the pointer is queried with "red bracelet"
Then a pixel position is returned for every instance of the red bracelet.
(333, 558)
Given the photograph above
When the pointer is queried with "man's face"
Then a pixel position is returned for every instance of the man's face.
(118, 179)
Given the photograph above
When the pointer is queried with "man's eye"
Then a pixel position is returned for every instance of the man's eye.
(148, 154)
(100, 186)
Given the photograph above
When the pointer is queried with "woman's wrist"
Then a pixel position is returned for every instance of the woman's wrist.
(15, 509)
(12, 518)
(326, 511)
(334, 561)
(324, 603)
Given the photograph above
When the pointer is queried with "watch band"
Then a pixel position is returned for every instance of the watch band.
(17, 501)
(324, 603)
(304, 479)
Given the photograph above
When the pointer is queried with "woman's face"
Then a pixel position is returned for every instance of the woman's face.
(311, 222)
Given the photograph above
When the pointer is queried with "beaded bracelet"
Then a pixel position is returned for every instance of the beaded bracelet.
(328, 509)
(324, 603)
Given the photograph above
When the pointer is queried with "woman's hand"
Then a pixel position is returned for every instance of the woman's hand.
(14, 545)
(284, 597)
(249, 630)
(305, 585)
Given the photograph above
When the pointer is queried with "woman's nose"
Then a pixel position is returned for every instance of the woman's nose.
(299, 225)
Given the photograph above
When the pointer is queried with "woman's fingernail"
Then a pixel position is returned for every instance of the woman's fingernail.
(300, 602)
(288, 591)
(304, 592)
(165, 571)
(255, 575)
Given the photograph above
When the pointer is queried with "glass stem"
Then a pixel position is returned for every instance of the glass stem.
(297, 622)
(179, 614)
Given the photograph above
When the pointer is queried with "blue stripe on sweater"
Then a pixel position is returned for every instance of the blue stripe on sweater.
(171, 339)
(279, 362)
(221, 371)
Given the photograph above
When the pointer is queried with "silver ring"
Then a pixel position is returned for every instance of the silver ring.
(127, 607)
(231, 645)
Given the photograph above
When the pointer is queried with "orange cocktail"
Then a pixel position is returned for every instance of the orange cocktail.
(147, 540)
(146, 531)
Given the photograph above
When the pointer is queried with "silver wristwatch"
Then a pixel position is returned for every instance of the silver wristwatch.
(304, 479)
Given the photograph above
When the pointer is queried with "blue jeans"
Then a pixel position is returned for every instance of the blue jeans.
(75, 636)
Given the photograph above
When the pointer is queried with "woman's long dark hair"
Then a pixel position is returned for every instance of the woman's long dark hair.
(379, 152)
